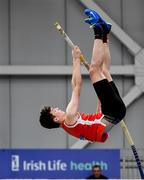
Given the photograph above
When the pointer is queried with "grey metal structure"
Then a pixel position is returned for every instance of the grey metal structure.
(58, 70)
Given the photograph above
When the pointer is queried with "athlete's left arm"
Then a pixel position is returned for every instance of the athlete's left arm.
(76, 82)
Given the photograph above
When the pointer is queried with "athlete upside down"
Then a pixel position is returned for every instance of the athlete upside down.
(93, 127)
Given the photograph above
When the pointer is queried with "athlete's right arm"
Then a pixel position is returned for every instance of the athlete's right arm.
(76, 82)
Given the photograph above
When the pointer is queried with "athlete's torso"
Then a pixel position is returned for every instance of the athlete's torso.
(87, 126)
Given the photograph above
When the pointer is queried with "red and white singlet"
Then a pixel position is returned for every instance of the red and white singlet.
(87, 127)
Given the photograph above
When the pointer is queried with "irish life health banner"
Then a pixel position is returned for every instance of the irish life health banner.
(59, 164)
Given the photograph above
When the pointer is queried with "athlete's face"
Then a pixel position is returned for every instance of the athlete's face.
(58, 113)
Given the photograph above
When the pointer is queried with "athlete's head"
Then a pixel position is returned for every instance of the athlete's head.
(51, 117)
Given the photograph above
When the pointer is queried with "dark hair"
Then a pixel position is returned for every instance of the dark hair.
(47, 119)
(96, 166)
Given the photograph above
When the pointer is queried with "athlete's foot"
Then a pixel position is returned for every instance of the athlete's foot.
(94, 18)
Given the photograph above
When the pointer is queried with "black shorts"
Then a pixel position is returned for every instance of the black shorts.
(112, 105)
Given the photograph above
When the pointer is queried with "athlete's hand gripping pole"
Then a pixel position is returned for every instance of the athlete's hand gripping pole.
(70, 43)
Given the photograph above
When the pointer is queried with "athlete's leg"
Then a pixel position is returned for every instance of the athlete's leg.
(106, 72)
(112, 106)
(96, 69)
(97, 76)
(106, 62)
(106, 67)
(119, 107)
(97, 61)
